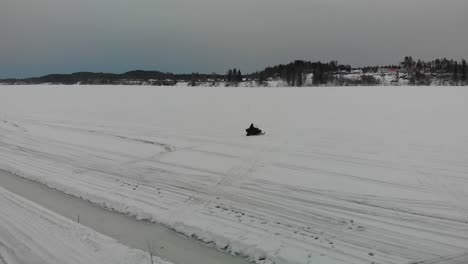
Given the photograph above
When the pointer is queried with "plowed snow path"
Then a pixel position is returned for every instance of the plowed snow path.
(356, 175)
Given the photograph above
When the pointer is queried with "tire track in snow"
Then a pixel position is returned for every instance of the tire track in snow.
(272, 202)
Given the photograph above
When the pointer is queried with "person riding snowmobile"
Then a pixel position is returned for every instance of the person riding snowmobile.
(253, 131)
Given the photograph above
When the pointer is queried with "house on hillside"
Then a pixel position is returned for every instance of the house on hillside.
(388, 70)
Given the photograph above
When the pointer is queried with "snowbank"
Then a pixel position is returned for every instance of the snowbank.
(32, 234)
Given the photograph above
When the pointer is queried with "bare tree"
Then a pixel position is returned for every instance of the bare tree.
(151, 245)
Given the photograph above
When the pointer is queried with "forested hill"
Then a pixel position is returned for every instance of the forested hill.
(92, 78)
(298, 73)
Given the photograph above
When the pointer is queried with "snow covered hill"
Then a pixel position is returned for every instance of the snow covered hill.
(343, 175)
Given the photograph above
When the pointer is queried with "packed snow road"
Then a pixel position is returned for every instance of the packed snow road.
(343, 175)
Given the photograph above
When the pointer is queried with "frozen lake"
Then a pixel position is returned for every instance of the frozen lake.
(344, 174)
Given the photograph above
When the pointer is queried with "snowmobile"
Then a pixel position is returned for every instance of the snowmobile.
(254, 131)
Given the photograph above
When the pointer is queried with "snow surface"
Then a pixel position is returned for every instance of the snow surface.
(129, 231)
(33, 235)
(344, 175)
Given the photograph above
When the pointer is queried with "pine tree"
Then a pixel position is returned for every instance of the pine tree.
(463, 71)
(408, 62)
(234, 75)
(318, 74)
(239, 76)
(229, 75)
(193, 81)
(292, 76)
(299, 79)
(261, 78)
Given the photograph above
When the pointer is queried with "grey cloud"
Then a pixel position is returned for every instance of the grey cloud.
(43, 36)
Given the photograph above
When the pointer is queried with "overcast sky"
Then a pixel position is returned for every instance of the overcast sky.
(62, 36)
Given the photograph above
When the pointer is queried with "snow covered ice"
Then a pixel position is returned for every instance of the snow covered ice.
(344, 175)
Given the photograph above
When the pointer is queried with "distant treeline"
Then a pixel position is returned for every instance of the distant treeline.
(154, 77)
(293, 73)
(297, 73)
(420, 72)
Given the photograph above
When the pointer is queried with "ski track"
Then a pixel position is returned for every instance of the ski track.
(219, 190)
